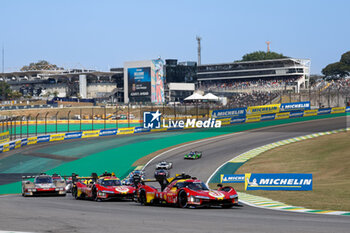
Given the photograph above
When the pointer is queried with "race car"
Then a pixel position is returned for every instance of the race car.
(104, 187)
(69, 185)
(161, 172)
(193, 155)
(129, 180)
(185, 191)
(164, 165)
(43, 185)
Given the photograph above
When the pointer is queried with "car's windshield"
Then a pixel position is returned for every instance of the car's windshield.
(57, 178)
(43, 180)
(193, 185)
(191, 153)
(110, 182)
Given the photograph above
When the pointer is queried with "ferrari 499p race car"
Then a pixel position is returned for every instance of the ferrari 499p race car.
(185, 191)
(43, 185)
(193, 155)
(104, 187)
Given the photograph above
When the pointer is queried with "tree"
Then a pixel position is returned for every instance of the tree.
(41, 65)
(261, 55)
(338, 69)
(5, 91)
(345, 58)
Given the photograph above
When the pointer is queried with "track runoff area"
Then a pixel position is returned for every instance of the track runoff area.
(68, 215)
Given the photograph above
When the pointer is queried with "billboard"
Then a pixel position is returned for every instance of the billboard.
(278, 181)
(139, 82)
(295, 106)
(263, 109)
(157, 81)
(234, 112)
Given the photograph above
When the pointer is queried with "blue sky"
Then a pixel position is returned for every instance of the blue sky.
(104, 34)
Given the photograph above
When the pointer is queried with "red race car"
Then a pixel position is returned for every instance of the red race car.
(185, 191)
(104, 187)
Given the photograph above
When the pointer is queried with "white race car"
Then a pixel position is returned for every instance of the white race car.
(44, 185)
(164, 165)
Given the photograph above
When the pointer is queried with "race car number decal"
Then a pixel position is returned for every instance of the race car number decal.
(216, 194)
(122, 189)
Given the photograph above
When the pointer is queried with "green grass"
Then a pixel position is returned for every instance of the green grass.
(326, 157)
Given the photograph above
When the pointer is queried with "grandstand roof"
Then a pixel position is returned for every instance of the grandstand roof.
(259, 61)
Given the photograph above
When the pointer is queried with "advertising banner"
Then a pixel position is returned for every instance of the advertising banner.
(24, 141)
(141, 130)
(6, 147)
(235, 120)
(90, 134)
(44, 138)
(286, 107)
(278, 181)
(1, 149)
(347, 109)
(108, 132)
(263, 109)
(157, 81)
(126, 130)
(4, 137)
(282, 115)
(224, 121)
(139, 82)
(56, 137)
(321, 111)
(266, 117)
(73, 135)
(310, 112)
(255, 118)
(338, 110)
(232, 178)
(234, 112)
(18, 144)
(12, 145)
(32, 140)
(296, 114)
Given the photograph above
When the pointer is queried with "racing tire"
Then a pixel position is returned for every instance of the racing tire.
(143, 198)
(182, 199)
(75, 193)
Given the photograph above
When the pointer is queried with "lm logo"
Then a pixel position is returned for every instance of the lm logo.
(151, 120)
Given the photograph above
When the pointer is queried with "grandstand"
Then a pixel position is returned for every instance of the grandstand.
(264, 75)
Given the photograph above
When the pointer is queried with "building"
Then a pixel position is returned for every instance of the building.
(297, 70)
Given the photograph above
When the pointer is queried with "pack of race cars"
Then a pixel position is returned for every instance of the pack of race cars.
(182, 190)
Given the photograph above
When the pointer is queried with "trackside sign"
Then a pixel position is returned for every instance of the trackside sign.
(232, 178)
(278, 181)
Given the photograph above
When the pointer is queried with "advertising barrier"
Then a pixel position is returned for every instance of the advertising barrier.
(142, 130)
(56, 137)
(4, 137)
(232, 178)
(18, 144)
(296, 114)
(347, 109)
(278, 181)
(338, 110)
(266, 117)
(126, 130)
(235, 112)
(286, 107)
(254, 118)
(108, 132)
(73, 135)
(90, 134)
(321, 111)
(43, 138)
(32, 140)
(235, 120)
(310, 112)
(264, 109)
(282, 115)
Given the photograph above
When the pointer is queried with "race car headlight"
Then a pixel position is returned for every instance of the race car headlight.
(101, 193)
(57, 189)
(31, 190)
(202, 197)
(233, 196)
(107, 191)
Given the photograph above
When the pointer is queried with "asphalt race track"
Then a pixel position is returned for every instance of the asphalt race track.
(59, 214)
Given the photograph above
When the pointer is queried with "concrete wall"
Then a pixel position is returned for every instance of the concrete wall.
(100, 89)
